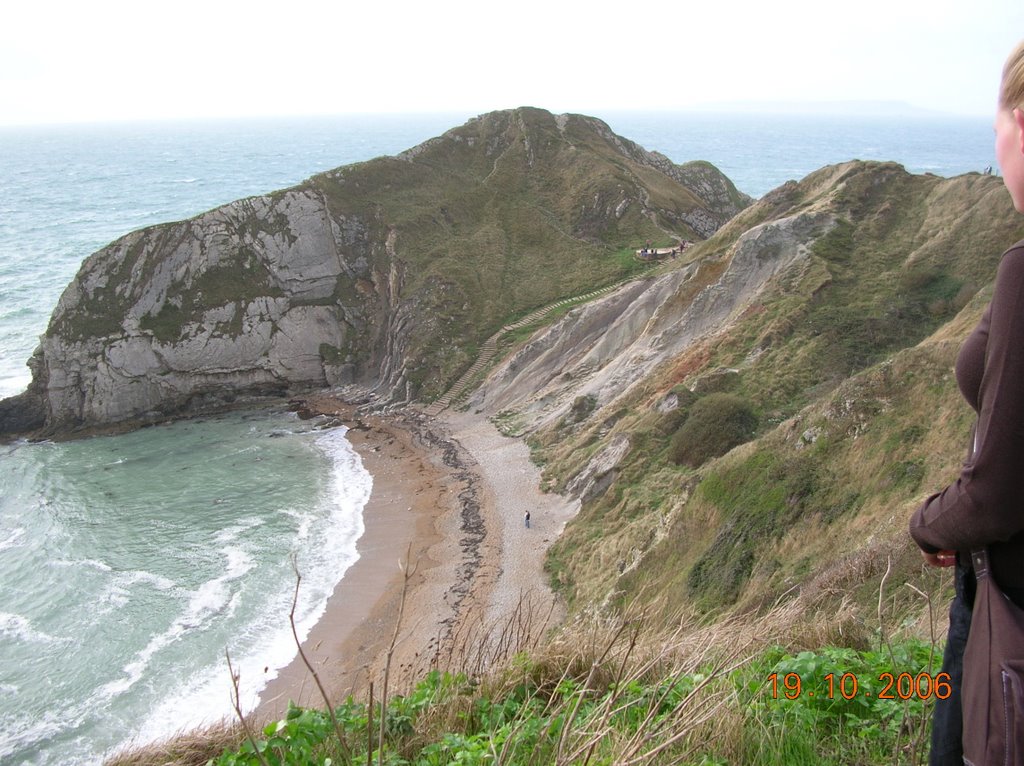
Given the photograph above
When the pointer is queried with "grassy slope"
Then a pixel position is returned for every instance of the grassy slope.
(848, 359)
(501, 216)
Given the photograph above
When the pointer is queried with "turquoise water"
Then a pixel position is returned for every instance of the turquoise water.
(129, 563)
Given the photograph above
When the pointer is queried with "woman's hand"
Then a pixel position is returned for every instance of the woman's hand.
(940, 559)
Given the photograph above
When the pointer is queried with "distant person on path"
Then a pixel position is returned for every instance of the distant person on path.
(527, 519)
(985, 505)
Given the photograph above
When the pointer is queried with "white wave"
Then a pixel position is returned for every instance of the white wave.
(27, 729)
(118, 591)
(114, 597)
(303, 521)
(209, 600)
(21, 629)
(214, 596)
(328, 552)
(14, 384)
(325, 558)
(328, 539)
(8, 690)
(232, 533)
(12, 540)
(159, 582)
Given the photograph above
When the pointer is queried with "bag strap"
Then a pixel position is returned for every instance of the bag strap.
(979, 558)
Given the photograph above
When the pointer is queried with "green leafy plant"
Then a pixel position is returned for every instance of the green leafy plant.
(716, 423)
(870, 702)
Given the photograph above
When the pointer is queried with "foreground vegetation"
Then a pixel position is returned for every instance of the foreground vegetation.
(776, 690)
(710, 716)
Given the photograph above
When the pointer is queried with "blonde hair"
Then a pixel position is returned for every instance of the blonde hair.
(1011, 88)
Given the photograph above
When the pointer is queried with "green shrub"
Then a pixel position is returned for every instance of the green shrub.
(672, 421)
(759, 499)
(837, 244)
(581, 408)
(716, 424)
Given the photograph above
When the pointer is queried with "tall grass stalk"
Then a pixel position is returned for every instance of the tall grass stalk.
(309, 666)
(237, 705)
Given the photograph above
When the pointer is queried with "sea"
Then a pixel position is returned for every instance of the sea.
(132, 566)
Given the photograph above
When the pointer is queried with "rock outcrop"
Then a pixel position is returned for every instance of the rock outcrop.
(236, 302)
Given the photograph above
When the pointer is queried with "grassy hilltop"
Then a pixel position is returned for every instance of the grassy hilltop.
(511, 212)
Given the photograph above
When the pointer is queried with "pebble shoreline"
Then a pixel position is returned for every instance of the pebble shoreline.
(451, 493)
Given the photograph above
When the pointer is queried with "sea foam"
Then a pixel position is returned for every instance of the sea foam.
(324, 548)
(18, 628)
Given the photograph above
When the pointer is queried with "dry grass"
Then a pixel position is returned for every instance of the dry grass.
(186, 748)
(476, 649)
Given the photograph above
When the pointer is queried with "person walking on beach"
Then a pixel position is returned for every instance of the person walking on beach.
(983, 507)
(527, 519)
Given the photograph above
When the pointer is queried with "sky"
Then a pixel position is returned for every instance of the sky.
(113, 60)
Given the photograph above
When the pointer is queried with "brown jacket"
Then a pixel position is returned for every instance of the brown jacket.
(985, 505)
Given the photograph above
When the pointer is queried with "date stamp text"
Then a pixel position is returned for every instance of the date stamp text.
(902, 686)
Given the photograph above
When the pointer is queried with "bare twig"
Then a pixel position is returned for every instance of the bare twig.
(567, 726)
(369, 729)
(918, 742)
(883, 636)
(237, 705)
(312, 670)
(407, 573)
(609, 705)
(711, 708)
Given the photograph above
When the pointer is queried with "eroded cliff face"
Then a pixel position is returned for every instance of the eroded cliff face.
(889, 264)
(242, 300)
(606, 347)
(381, 275)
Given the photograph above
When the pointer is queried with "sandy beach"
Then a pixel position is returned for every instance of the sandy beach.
(451, 494)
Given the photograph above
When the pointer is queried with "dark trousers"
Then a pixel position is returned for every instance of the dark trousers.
(947, 716)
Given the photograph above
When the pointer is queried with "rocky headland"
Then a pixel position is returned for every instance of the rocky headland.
(383, 275)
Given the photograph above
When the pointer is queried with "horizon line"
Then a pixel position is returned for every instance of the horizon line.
(832, 108)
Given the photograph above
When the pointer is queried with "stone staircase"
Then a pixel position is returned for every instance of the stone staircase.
(490, 348)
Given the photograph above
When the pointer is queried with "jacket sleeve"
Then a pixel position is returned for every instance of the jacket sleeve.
(986, 503)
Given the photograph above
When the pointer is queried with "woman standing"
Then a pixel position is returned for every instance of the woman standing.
(985, 505)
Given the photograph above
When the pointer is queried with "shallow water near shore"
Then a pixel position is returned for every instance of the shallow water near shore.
(157, 550)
